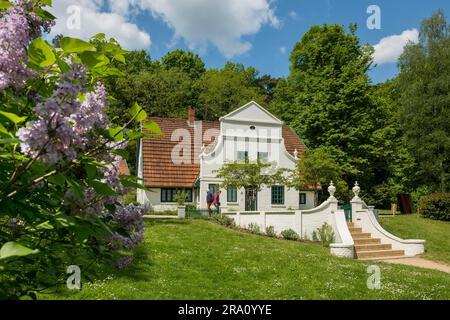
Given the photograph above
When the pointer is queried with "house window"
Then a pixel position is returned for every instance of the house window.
(277, 194)
(242, 156)
(169, 194)
(231, 194)
(263, 157)
(213, 188)
(302, 198)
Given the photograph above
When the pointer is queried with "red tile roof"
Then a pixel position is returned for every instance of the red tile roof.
(123, 168)
(160, 171)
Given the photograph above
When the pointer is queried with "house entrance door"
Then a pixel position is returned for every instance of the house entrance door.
(251, 199)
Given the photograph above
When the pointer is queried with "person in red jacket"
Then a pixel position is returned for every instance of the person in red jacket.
(216, 200)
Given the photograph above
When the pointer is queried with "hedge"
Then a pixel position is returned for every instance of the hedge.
(435, 206)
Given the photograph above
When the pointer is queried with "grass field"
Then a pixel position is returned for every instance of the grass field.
(197, 259)
(413, 226)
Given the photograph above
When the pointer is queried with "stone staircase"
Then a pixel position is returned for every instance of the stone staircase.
(368, 248)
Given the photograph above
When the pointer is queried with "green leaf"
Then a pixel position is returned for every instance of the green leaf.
(72, 45)
(91, 170)
(41, 53)
(45, 225)
(43, 14)
(152, 127)
(99, 36)
(138, 112)
(115, 133)
(58, 179)
(3, 129)
(131, 184)
(63, 66)
(123, 153)
(14, 249)
(5, 4)
(102, 188)
(120, 58)
(13, 117)
(94, 59)
(46, 2)
(76, 187)
(110, 72)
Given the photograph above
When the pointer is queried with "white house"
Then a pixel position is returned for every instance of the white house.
(189, 154)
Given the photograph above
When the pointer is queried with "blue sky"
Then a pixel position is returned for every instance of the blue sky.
(259, 33)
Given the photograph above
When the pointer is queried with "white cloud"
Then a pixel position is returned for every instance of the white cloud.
(93, 20)
(283, 50)
(293, 15)
(220, 23)
(390, 48)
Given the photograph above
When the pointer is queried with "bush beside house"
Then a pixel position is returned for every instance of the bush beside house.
(435, 206)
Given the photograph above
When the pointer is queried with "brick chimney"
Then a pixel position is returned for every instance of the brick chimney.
(191, 115)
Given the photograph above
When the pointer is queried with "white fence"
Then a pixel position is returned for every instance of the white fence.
(304, 222)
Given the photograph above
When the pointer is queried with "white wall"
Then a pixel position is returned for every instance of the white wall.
(152, 197)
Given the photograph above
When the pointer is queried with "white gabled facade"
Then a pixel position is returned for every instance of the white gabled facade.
(251, 131)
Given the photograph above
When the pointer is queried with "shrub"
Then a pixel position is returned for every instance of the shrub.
(290, 234)
(270, 232)
(224, 220)
(191, 207)
(254, 228)
(435, 206)
(324, 234)
(130, 198)
(180, 197)
(60, 184)
(420, 192)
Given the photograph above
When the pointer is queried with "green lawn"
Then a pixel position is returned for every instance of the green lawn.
(413, 226)
(197, 259)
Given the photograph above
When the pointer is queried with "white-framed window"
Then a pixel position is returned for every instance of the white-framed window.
(242, 156)
(231, 194)
(277, 194)
(263, 157)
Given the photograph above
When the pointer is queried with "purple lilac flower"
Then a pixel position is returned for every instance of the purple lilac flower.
(120, 242)
(18, 27)
(123, 262)
(14, 37)
(130, 217)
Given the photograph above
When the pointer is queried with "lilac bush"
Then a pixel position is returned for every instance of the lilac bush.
(60, 187)
(15, 35)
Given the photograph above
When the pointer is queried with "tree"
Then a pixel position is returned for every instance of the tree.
(318, 166)
(328, 100)
(222, 91)
(254, 175)
(187, 62)
(162, 93)
(424, 86)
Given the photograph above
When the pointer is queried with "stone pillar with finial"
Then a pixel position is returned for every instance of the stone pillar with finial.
(296, 154)
(332, 199)
(356, 202)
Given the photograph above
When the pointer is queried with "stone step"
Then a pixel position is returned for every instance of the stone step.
(360, 235)
(379, 254)
(367, 241)
(355, 229)
(372, 247)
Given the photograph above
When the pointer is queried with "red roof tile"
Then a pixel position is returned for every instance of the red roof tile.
(160, 171)
(123, 168)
